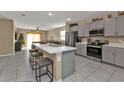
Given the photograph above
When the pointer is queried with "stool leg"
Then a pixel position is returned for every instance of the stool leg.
(39, 74)
(52, 71)
(36, 73)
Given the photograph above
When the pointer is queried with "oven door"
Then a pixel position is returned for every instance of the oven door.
(94, 52)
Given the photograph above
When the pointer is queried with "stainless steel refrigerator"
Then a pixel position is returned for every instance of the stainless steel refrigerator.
(71, 38)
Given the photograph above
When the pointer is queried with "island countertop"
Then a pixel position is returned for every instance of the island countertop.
(54, 49)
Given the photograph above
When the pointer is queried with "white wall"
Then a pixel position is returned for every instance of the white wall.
(55, 33)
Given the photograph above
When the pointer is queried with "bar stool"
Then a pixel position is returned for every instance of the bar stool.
(30, 53)
(41, 63)
(35, 56)
(33, 50)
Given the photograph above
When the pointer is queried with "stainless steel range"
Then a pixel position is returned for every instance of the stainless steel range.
(95, 50)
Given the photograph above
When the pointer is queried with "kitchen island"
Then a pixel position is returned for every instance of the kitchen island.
(63, 58)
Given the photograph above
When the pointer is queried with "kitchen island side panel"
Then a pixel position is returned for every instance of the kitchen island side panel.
(68, 63)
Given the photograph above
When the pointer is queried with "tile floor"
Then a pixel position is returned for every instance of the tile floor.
(17, 68)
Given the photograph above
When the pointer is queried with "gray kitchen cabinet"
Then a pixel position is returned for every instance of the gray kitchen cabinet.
(119, 60)
(120, 25)
(81, 49)
(83, 29)
(101, 24)
(78, 49)
(97, 25)
(113, 55)
(108, 54)
(93, 25)
(110, 26)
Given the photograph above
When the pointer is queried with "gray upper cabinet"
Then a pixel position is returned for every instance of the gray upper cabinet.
(83, 29)
(120, 25)
(97, 25)
(110, 26)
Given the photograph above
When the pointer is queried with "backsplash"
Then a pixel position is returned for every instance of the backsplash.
(119, 39)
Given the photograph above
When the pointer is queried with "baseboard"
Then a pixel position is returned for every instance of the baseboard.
(60, 80)
(7, 55)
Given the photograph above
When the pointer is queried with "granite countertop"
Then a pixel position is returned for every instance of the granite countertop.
(54, 49)
(81, 43)
(116, 45)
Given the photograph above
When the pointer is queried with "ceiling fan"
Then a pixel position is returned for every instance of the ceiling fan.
(37, 29)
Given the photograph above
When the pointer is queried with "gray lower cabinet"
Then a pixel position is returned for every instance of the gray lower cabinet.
(81, 49)
(78, 49)
(110, 27)
(108, 54)
(113, 55)
(119, 60)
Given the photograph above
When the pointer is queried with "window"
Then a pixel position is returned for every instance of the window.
(32, 38)
(62, 35)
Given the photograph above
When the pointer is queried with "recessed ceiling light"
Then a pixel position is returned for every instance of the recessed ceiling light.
(69, 19)
(50, 14)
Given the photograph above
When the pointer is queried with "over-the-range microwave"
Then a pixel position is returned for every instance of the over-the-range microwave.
(97, 32)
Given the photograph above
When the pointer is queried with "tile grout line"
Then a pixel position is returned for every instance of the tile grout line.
(92, 73)
(111, 75)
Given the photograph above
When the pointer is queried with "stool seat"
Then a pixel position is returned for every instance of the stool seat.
(44, 62)
(37, 54)
(33, 50)
(41, 63)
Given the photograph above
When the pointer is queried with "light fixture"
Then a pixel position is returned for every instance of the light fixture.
(68, 19)
(37, 29)
(50, 14)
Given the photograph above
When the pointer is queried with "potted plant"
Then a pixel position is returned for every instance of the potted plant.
(21, 39)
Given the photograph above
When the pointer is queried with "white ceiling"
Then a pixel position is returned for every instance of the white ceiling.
(42, 20)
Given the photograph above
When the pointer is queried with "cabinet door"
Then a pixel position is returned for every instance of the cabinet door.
(84, 49)
(120, 25)
(100, 24)
(119, 59)
(80, 29)
(86, 29)
(93, 25)
(110, 27)
(108, 54)
(83, 29)
(97, 24)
